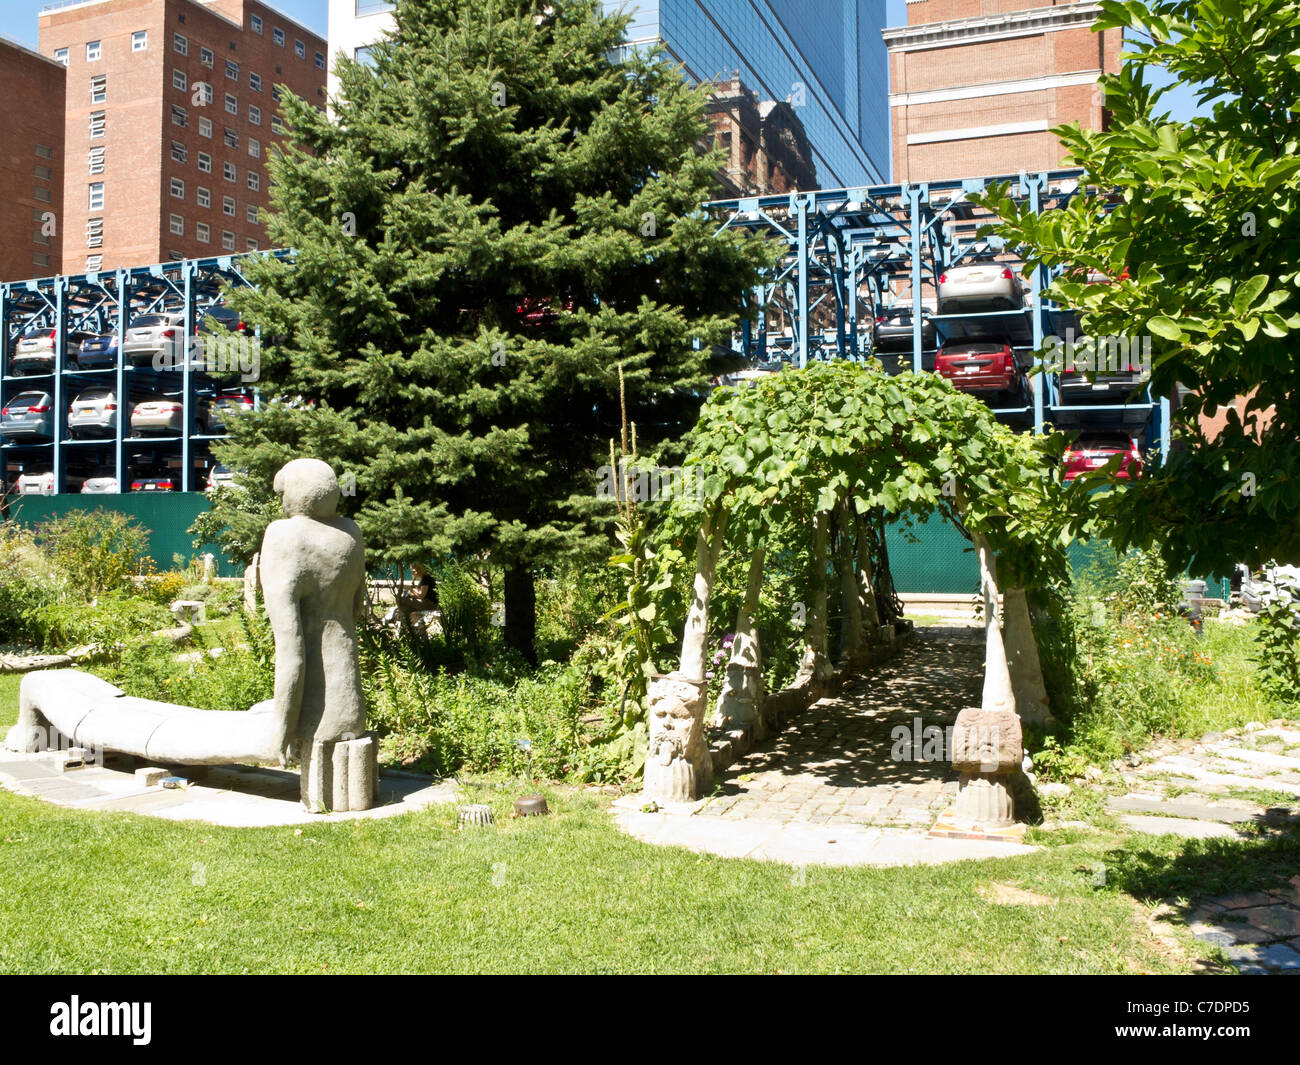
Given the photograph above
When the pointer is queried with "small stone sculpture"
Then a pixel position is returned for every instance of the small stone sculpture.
(678, 765)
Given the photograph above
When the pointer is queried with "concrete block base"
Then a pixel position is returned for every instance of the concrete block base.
(341, 776)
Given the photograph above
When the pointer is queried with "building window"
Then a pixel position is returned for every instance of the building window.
(96, 160)
(61, 56)
(43, 151)
(228, 206)
(178, 225)
(250, 213)
(203, 197)
(178, 188)
(205, 127)
(255, 23)
(39, 258)
(38, 237)
(299, 49)
(232, 104)
(139, 40)
(99, 89)
(254, 114)
(250, 244)
(205, 163)
(41, 194)
(254, 147)
(275, 93)
(227, 240)
(180, 44)
(320, 60)
(277, 35)
(94, 262)
(229, 172)
(180, 153)
(92, 51)
(232, 70)
(365, 56)
(206, 57)
(276, 125)
(97, 124)
(42, 172)
(231, 138)
(372, 7)
(179, 80)
(179, 115)
(254, 180)
(202, 233)
(96, 196)
(94, 232)
(255, 82)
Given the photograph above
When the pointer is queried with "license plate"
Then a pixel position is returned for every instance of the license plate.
(970, 369)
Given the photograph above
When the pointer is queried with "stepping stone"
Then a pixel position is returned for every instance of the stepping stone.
(1280, 957)
(1190, 767)
(1287, 735)
(1260, 758)
(1135, 804)
(1178, 826)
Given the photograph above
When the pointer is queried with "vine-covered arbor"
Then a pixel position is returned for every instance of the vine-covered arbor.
(839, 449)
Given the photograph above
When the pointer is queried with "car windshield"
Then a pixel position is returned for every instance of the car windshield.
(146, 320)
(976, 349)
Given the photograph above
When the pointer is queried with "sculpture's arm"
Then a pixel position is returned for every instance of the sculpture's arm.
(280, 595)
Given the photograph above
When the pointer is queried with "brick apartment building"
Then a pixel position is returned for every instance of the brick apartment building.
(171, 109)
(975, 85)
(31, 164)
(765, 143)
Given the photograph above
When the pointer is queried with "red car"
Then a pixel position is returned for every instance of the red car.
(1093, 450)
(981, 367)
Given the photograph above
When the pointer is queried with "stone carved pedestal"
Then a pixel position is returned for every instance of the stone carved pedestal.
(341, 776)
(678, 765)
(987, 750)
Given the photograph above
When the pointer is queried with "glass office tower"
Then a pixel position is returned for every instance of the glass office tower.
(825, 56)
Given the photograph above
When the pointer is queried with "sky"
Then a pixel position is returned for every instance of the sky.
(20, 25)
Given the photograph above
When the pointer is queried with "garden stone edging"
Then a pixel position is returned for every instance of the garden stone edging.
(10, 663)
(728, 746)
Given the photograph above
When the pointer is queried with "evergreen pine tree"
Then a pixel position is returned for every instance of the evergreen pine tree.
(499, 213)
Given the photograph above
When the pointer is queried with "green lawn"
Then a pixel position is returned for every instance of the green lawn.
(118, 893)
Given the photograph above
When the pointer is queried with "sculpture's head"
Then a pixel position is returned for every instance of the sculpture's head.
(308, 487)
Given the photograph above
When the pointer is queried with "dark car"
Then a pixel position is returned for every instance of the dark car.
(893, 330)
(985, 368)
(98, 353)
(165, 482)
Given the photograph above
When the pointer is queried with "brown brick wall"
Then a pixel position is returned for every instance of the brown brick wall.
(31, 121)
(140, 130)
(944, 10)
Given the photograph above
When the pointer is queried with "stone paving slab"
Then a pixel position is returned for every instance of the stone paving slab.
(795, 843)
(1189, 767)
(1178, 826)
(1198, 811)
(236, 796)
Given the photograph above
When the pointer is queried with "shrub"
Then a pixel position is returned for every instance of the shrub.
(110, 621)
(1277, 652)
(97, 549)
(465, 613)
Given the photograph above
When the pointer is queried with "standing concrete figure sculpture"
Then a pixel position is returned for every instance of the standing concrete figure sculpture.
(313, 577)
(313, 585)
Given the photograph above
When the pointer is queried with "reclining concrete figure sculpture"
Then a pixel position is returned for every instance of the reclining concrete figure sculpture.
(313, 583)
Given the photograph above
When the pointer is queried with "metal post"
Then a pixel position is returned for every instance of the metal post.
(187, 408)
(60, 350)
(1036, 289)
(1164, 429)
(802, 203)
(123, 393)
(914, 193)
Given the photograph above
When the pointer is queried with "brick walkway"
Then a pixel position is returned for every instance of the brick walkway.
(834, 766)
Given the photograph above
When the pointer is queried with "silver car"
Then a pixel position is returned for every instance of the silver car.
(979, 288)
(106, 485)
(36, 483)
(149, 334)
(93, 413)
(28, 416)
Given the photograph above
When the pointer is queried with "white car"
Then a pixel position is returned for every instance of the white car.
(979, 288)
(149, 334)
(36, 484)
